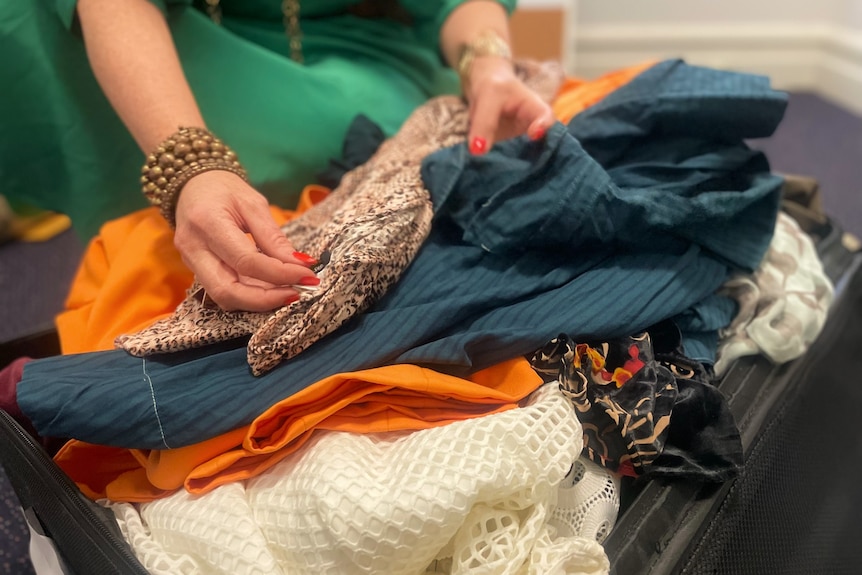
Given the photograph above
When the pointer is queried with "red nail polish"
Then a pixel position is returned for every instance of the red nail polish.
(478, 145)
(305, 258)
(291, 298)
(538, 133)
(309, 281)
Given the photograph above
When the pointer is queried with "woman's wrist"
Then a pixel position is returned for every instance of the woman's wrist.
(183, 155)
(488, 44)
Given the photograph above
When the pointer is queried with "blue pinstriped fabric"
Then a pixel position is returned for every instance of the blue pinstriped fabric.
(457, 310)
(532, 240)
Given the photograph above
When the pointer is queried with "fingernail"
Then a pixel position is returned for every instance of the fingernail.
(292, 298)
(538, 133)
(305, 258)
(478, 145)
(309, 281)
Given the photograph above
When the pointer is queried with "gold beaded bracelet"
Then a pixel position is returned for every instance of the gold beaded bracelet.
(184, 155)
(487, 43)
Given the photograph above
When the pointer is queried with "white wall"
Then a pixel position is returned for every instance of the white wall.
(527, 4)
(704, 11)
(801, 44)
(852, 14)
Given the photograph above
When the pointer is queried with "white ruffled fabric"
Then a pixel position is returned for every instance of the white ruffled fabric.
(783, 305)
(476, 496)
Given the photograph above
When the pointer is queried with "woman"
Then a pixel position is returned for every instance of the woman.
(277, 82)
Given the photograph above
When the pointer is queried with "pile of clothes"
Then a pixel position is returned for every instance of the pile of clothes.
(603, 275)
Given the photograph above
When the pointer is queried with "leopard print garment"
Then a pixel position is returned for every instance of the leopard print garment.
(372, 224)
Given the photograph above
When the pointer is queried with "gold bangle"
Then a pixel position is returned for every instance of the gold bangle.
(487, 43)
(184, 155)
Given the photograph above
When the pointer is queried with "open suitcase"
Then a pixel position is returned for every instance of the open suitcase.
(794, 508)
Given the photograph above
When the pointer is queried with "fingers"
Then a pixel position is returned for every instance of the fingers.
(268, 236)
(217, 212)
(232, 247)
(230, 293)
(485, 110)
(501, 106)
(543, 119)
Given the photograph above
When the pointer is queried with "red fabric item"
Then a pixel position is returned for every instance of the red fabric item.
(9, 378)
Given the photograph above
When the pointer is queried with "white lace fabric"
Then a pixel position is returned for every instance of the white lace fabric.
(476, 496)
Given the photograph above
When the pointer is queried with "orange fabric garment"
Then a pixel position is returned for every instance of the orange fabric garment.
(131, 276)
(576, 95)
(391, 398)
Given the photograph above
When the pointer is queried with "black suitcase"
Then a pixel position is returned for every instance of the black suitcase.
(794, 508)
(84, 534)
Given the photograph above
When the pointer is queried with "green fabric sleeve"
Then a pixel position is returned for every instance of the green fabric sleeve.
(430, 15)
(66, 9)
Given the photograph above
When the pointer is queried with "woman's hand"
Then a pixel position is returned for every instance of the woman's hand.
(215, 212)
(501, 105)
(129, 43)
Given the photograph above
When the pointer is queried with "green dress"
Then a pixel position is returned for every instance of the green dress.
(63, 148)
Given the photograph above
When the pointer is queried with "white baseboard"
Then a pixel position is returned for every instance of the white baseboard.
(840, 73)
(817, 58)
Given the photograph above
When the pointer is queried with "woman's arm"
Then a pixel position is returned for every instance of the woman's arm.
(501, 106)
(132, 54)
(133, 57)
(467, 22)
